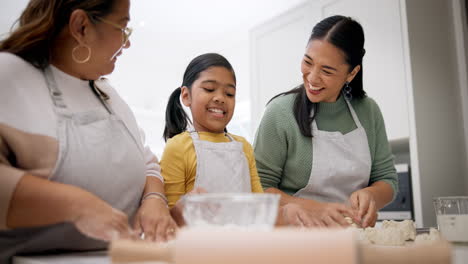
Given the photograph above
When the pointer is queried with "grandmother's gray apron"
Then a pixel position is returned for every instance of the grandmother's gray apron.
(97, 153)
(341, 164)
(221, 167)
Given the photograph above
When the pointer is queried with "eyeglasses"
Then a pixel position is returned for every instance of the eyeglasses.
(126, 31)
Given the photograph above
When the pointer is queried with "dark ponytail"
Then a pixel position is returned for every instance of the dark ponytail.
(177, 119)
(347, 35)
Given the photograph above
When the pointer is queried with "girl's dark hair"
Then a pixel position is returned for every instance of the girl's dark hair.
(347, 35)
(40, 24)
(177, 119)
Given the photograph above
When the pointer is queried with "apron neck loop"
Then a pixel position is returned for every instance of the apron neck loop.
(55, 93)
(351, 110)
(57, 96)
(228, 136)
(102, 96)
(194, 134)
(353, 113)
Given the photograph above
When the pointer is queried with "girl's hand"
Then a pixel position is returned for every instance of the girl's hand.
(363, 201)
(331, 214)
(178, 208)
(179, 205)
(99, 220)
(154, 221)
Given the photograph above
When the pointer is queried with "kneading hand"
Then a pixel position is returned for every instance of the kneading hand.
(97, 219)
(295, 215)
(331, 214)
(154, 221)
(363, 202)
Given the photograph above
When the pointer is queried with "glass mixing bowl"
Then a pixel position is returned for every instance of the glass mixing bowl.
(452, 217)
(454, 205)
(256, 211)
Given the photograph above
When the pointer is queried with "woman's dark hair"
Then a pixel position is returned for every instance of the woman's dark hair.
(40, 24)
(177, 119)
(347, 35)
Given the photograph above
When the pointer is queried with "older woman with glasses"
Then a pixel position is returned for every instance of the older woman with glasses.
(74, 170)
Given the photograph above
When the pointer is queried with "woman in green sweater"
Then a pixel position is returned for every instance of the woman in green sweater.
(323, 144)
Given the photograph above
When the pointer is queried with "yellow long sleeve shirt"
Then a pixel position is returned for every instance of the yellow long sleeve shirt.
(179, 163)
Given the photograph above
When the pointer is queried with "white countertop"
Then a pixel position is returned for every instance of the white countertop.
(97, 257)
(460, 256)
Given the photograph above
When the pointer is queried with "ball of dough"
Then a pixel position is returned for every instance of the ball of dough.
(386, 237)
(407, 227)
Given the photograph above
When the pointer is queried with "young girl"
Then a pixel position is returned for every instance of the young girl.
(205, 156)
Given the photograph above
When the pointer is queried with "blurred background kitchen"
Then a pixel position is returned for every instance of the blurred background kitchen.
(415, 68)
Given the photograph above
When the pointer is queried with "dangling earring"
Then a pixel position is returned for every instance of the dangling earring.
(347, 91)
(78, 60)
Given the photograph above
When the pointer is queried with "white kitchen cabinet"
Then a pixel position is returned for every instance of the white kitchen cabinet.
(277, 47)
(412, 68)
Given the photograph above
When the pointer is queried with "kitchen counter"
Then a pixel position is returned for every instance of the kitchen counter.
(95, 257)
(99, 257)
(460, 256)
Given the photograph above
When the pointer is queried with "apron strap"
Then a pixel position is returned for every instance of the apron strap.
(229, 136)
(57, 96)
(314, 124)
(195, 136)
(353, 114)
(351, 110)
(55, 93)
(102, 97)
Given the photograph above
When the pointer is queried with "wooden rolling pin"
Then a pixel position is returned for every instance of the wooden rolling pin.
(128, 251)
(240, 247)
(276, 247)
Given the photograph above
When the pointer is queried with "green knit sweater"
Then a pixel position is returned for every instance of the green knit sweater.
(284, 155)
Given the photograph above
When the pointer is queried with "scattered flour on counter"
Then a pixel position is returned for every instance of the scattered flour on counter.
(362, 237)
(428, 238)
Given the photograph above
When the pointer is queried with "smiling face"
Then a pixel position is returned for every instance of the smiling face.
(211, 99)
(325, 71)
(87, 47)
(108, 39)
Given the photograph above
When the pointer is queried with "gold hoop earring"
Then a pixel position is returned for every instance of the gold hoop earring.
(81, 61)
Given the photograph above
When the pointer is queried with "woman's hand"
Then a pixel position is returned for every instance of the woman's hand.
(330, 214)
(363, 201)
(98, 220)
(154, 220)
(293, 214)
